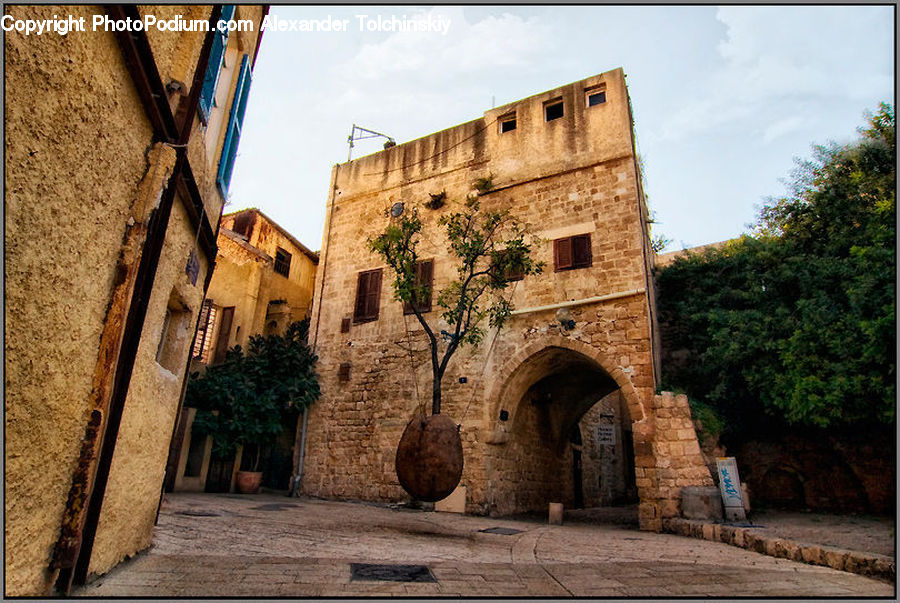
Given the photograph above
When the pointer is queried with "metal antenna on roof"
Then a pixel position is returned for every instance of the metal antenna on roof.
(360, 133)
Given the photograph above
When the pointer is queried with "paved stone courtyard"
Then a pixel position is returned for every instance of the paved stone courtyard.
(271, 545)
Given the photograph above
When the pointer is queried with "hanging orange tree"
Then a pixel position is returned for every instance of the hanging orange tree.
(486, 247)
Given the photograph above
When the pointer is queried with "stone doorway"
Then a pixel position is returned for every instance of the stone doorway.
(559, 401)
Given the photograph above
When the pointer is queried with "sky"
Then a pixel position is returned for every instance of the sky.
(724, 98)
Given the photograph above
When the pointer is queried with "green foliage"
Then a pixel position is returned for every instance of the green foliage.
(485, 246)
(796, 323)
(247, 398)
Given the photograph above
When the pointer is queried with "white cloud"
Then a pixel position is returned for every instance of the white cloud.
(779, 59)
(505, 40)
(782, 127)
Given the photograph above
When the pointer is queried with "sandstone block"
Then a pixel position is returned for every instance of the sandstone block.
(812, 554)
(699, 502)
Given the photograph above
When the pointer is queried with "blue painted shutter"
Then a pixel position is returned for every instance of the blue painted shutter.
(233, 133)
(214, 68)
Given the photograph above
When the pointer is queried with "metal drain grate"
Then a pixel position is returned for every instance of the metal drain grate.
(274, 507)
(390, 573)
(194, 513)
(504, 531)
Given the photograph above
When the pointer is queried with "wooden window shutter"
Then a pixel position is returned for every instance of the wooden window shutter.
(214, 68)
(362, 286)
(235, 121)
(368, 296)
(424, 276)
(373, 297)
(224, 335)
(562, 253)
(581, 251)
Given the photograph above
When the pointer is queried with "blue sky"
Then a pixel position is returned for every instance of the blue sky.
(724, 97)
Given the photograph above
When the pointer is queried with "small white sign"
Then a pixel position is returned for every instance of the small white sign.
(606, 435)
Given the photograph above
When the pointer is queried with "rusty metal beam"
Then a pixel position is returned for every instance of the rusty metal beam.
(141, 65)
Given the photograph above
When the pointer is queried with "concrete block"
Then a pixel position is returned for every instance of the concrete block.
(455, 503)
(556, 514)
(701, 502)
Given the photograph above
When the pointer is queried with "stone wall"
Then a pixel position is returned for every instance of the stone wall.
(606, 470)
(565, 177)
(836, 473)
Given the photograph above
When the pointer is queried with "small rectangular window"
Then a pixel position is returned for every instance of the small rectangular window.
(424, 277)
(282, 262)
(344, 372)
(243, 224)
(507, 122)
(553, 110)
(596, 95)
(572, 252)
(368, 296)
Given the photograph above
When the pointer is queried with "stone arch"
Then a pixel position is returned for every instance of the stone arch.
(502, 390)
(533, 363)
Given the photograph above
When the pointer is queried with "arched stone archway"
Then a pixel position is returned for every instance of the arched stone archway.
(550, 385)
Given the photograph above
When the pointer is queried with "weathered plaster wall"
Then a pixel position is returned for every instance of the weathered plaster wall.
(569, 176)
(74, 233)
(65, 223)
(135, 481)
(236, 282)
(245, 278)
(176, 55)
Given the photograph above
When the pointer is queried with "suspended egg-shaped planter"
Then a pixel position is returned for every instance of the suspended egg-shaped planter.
(430, 457)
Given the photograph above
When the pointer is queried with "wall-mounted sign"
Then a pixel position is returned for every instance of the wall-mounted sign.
(192, 269)
(606, 435)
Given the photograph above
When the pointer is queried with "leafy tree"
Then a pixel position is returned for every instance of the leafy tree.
(797, 321)
(249, 397)
(486, 246)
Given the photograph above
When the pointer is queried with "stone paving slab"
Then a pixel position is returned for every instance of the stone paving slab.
(306, 551)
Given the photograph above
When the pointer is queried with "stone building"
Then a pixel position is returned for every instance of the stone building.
(262, 282)
(119, 151)
(564, 163)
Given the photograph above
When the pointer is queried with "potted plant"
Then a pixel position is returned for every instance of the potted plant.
(487, 248)
(247, 399)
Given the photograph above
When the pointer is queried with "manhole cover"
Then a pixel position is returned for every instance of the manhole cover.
(504, 531)
(274, 507)
(194, 513)
(390, 573)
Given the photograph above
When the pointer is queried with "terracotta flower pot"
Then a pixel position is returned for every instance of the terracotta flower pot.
(429, 457)
(248, 481)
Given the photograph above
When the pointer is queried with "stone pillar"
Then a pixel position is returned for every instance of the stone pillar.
(680, 462)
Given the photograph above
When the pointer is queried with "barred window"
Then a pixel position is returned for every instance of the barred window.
(282, 262)
(203, 342)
